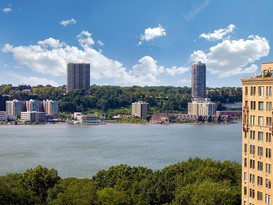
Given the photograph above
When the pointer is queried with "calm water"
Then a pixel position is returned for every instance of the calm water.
(81, 151)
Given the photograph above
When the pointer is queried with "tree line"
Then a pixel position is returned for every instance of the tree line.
(193, 182)
(111, 100)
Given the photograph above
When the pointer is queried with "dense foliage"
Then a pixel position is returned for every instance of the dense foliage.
(197, 181)
(112, 100)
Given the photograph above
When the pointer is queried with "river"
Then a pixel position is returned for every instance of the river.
(80, 151)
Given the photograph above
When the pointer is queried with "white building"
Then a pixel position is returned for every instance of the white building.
(205, 107)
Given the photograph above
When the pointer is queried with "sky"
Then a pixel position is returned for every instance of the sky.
(134, 42)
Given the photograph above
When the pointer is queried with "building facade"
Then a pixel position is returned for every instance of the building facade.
(50, 107)
(198, 80)
(33, 105)
(15, 107)
(33, 116)
(78, 76)
(257, 137)
(205, 107)
(140, 109)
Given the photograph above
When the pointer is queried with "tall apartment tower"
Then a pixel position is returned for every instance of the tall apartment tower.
(78, 76)
(198, 80)
(257, 132)
(140, 109)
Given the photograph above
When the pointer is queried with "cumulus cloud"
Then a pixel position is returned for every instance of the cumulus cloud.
(50, 57)
(68, 22)
(218, 34)
(173, 71)
(233, 57)
(147, 65)
(33, 80)
(152, 33)
(6, 10)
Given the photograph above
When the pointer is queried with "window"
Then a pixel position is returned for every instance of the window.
(246, 90)
(245, 176)
(260, 120)
(261, 90)
(252, 105)
(252, 178)
(260, 181)
(245, 162)
(268, 183)
(261, 105)
(268, 121)
(245, 191)
(268, 153)
(259, 196)
(268, 137)
(260, 136)
(252, 149)
(268, 90)
(268, 168)
(268, 199)
(252, 119)
(260, 151)
(268, 106)
(252, 193)
(245, 147)
(252, 90)
(260, 166)
(252, 135)
(252, 164)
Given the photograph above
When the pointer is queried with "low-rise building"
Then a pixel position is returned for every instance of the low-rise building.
(3, 116)
(204, 107)
(33, 116)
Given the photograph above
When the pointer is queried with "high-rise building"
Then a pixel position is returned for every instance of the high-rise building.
(257, 131)
(33, 105)
(50, 107)
(198, 80)
(78, 76)
(140, 109)
(15, 107)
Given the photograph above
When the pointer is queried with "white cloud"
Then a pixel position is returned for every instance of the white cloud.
(233, 57)
(152, 33)
(196, 10)
(50, 57)
(173, 71)
(33, 80)
(68, 22)
(100, 43)
(218, 34)
(147, 65)
(6, 10)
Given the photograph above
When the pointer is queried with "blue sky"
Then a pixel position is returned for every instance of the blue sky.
(134, 42)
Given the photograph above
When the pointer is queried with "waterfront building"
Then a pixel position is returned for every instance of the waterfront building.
(198, 80)
(257, 131)
(33, 116)
(140, 109)
(50, 107)
(3, 116)
(33, 105)
(78, 76)
(15, 107)
(204, 107)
